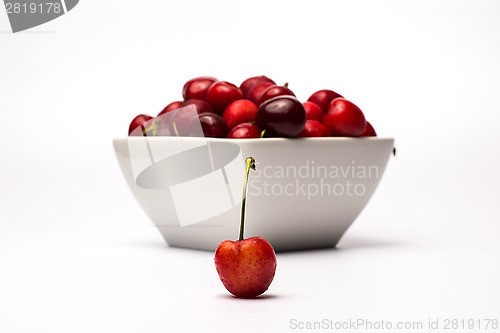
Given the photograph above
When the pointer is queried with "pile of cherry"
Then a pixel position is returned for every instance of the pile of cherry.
(258, 108)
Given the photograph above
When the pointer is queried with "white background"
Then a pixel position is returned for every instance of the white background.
(77, 254)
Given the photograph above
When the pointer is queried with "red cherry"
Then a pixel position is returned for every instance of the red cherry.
(172, 106)
(245, 131)
(323, 98)
(253, 81)
(138, 122)
(221, 94)
(313, 111)
(212, 125)
(369, 130)
(344, 118)
(314, 128)
(240, 111)
(256, 91)
(201, 105)
(274, 91)
(197, 88)
(246, 267)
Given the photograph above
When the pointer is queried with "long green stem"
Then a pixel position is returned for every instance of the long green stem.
(250, 161)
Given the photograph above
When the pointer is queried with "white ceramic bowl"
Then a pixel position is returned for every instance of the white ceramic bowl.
(304, 194)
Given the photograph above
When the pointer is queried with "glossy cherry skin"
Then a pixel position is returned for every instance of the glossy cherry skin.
(240, 111)
(281, 116)
(323, 98)
(344, 118)
(212, 125)
(274, 91)
(138, 121)
(221, 94)
(253, 81)
(197, 88)
(256, 91)
(369, 130)
(245, 131)
(171, 107)
(247, 267)
(201, 105)
(314, 128)
(313, 111)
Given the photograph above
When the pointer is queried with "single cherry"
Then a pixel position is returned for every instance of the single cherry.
(256, 91)
(221, 94)
(344, 118)
(253, 81)
(369, 130)
(313, 111)
(171, 107)
(201, 105)
(323, 98)
(314, 128)
(245, 131)
(240, 111)
(197, 88)
(246, 267)
(281, 116)
(212, 125)
(138, 122)
(274, 91)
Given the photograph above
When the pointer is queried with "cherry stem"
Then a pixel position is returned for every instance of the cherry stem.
(262, 134)
(285, 85)
(145, 131)
(153, 127)
(250, 161)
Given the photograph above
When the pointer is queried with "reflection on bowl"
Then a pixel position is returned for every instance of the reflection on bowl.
(304, 194)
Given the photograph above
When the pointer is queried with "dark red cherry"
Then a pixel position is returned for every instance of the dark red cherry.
(172, 106)
(369, 130)
(344, 118)
(281, 116)
(313, 111)
(274, 91)
(314, 128)
(201, 105)
(245, 131)
(138, 123)
(197, 88)
(253, 81)
(323, 98)
(221, 94)
(256, 91)
(212, 125)
(240, 111)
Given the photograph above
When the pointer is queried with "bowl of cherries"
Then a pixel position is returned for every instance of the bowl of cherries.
(318, 164)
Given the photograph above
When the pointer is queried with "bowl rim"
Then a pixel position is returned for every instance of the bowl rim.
(263, 140)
